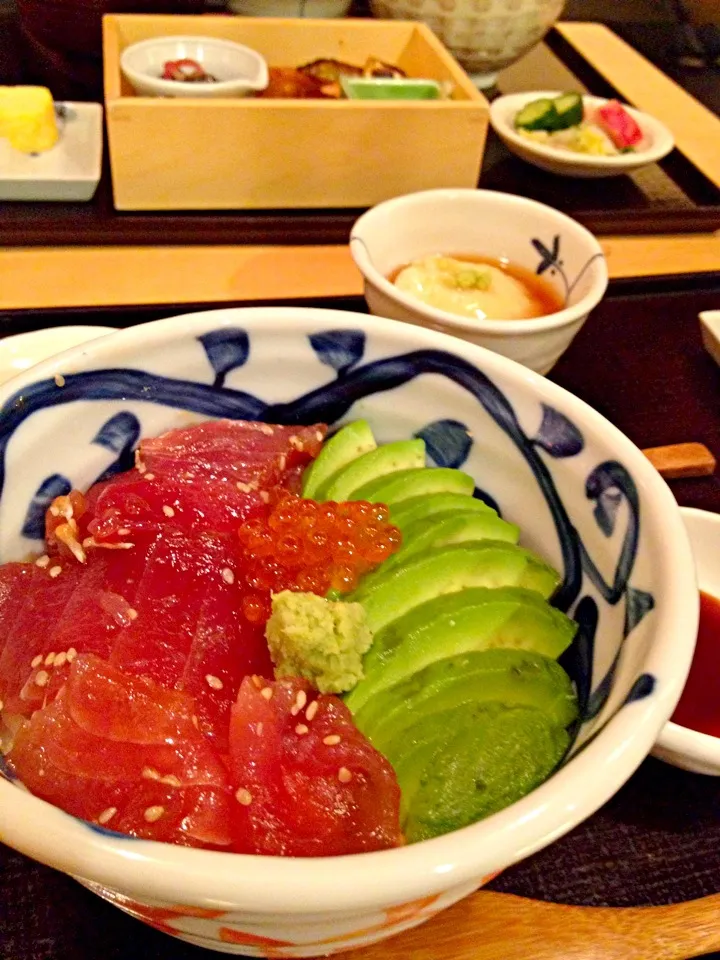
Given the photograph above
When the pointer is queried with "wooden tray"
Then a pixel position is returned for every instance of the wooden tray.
(171, 154)
(672, 197)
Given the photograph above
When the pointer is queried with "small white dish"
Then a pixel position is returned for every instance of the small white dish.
(239, 70)
(70, 171)
(710, 331)
(657, 140)
(21, 351)
(681, 746)
(485, 223)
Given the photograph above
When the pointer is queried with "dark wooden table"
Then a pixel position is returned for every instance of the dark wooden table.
(639, 360)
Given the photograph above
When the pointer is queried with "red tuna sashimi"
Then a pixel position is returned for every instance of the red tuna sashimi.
(125, 753)
(308, 783)
(619, 125)
(187, 632)
(100, 607)
(28, 638)
(258, 454)
(134, 507)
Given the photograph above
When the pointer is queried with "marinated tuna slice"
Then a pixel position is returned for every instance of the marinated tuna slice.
(307, 782)
(136, 507)
(25, 664)
(187, 632)
(125, 753)
(257, 454)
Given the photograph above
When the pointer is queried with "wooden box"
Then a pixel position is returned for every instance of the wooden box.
(244, 153)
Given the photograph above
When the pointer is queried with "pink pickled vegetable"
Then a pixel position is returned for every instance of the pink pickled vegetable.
(619, 125)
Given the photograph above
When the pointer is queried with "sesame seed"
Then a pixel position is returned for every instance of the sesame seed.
(266, 429)
(49, 659)
(243, 487)
(300, 701)
(195, 722)
(149, 476)
(301, 729)
(170, 780)
(124, 532)
(257, 681)
(312, 710)
(55, 572)
(107, 814)
(149, 773)
(259, 728)
(318, 436)
(214, 682)
(265, 496)
(60, 659)
(42, 678)
(267, 693)
(282, 463)
(243, 796)
(59, 379)
(54, 512)
(1, 705)
(36, 661)
(168, 511)
(151, 814)
(331, 740)
(344, 775)
(131, 613)
(71, 654)
(42, 561)
(228, 576)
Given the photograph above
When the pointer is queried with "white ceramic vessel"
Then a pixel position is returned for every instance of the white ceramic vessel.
(710, 332)
(23, 350)
(239, 70)
(70, 171)
(583, 494)
(680, 746)
(484, 35)
(485, 223)
(657, 141)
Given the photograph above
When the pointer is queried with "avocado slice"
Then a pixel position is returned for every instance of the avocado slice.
(428, 739)
(457, 527)
(432, 506)
(433, 572)
(512, 678)
(349, 443)
(403, 455)
(490, 763)
(472, 620)
(420, 482)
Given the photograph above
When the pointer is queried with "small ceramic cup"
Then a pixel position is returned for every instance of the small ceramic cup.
(677, 745)
(239, 70)
(491, 224)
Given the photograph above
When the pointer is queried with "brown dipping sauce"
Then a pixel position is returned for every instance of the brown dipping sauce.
(545, 298)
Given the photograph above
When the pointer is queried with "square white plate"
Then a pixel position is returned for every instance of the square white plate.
(70, 171)
(710, 330)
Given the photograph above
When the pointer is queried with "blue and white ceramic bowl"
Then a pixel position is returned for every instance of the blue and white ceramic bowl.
(484, 223)
(583, 495)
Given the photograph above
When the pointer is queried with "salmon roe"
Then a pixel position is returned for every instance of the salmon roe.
(312, 547)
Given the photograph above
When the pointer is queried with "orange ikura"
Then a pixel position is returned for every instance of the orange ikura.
(313, 547)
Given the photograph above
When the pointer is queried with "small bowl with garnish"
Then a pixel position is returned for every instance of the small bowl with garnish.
(501, 271)
(573, 135)
(186, 66)
(691, 739)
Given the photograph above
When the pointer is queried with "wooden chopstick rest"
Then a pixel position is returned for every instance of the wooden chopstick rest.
(682, 460)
